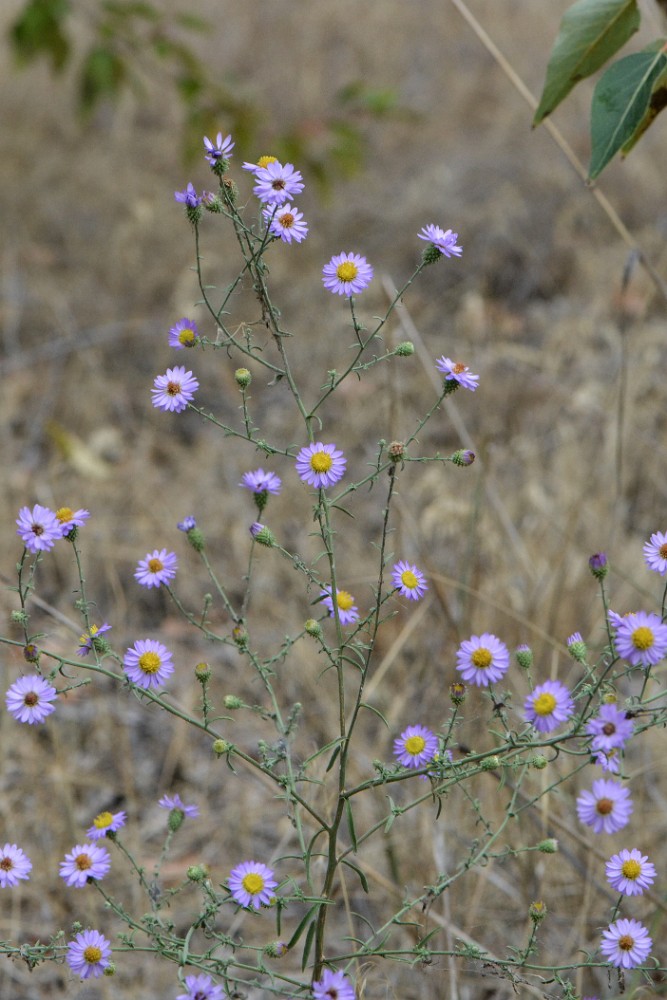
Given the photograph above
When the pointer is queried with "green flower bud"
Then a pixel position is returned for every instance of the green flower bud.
(18, 618)
(221, 747)
(110, 969)
(313, 628)
(490, 763)
(431, 254)
(243, 377)
(405, 349)
(539, 762)
(203, 672)
(197, 873)
(524, 656)
(396, 451)
(276, 949)
(457, 692)
(232, 701)
(549, 846)
(537, 911)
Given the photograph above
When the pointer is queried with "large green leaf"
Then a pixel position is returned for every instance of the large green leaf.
(657, 103)
(591, 32)
(620, 102)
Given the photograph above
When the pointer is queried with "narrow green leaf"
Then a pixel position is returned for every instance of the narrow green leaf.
(656, 104)
(591, 32)
(308, 945)
(620, 101)
(362, 877)
(301, 926)
(375, 711)
(350, 824)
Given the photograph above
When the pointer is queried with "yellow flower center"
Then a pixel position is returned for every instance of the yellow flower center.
(631, 868)
(482, 658)
(321, 461)
(626, 943)
(92, 954)
(408, 579)
(155, 565)
(83, 862)
(264, 161)
(102, 821)
(149, 663)
(344, 600)
(253, 883)
(187, 337)
(544, 704)
(643, 638)
(64, 514)
(347, 271)
(286, 220)
(415, 744)
(604, 806)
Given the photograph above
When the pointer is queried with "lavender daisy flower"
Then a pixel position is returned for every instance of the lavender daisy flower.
(626, 944)
(201, 988)
(262, 162)
(443, 240)
(69, 519)
(630, 872)
(287, 223)
(84, 862)
(416, 746)
(174, 390)
(410, 581)
(277, 183)
(29, 699)
(156, 568)
(183, 333)
(608, 761)
(482, 659)
(251, 884)
(348, 613)
(189, 197)
(347, 274)
(641, 639)
(105, 823)
(261, 482)
(610, 729)
(187, 524)
(221, 149)
(655, 553)
(88, 954)
(148, 663)
(14, 866)
(175, 802)
(607, 808)
(39, 528)
(548, 705)
(454, 371)
(87, 638)
(320, 465)
(333, 986)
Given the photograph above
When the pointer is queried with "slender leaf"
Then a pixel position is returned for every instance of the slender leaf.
(591, 32)
(362, 877)
(620, 102)
(308, 945)
(656, 104)
(350, 824)
(302, 925)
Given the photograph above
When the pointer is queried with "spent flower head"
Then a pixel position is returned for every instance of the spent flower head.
(416, 746)
(39, 528)
(84, 862)
(148, 663)
(14, 866)
(347, 274)
(89, 954)
(630, 872)
(626, 944)
(251, 884)
(607, 807)
(156, 568)
(576, 647)
(183, 333)
(409, 581)
(175, 802)
(549, 705)
(29, 699)
(482, 659)
(91, 639)
(320, 465)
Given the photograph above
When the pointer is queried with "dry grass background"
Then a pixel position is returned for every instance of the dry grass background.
(96, 266)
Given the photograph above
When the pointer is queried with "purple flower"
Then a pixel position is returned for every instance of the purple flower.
(630, 872)
(14, 866)
(444, 241)
(320, 465)
(410, 581)
(608, 761)
(87, 638)
(175, 802)
(261, 482)
(286, 221)
(156, 568)
(548, 706)
(84, 862)
(201, 988)
(189, 197)
(88, 954)
(626, 944)
(610, 729)
(148, 663)
(221, 149)
(183, 333)
(29, 699)
(454, 371)
(641, 639)
(598, 565)
(607, 808)
(39, 529)
(251, 884)
(333, 986)
(174, 390)
(69, 519)
(277, 183)
(655, 553)
(348, 613)
(187, 524)
(482, 659)
(347, 274)
(416, 746)
(105, 823)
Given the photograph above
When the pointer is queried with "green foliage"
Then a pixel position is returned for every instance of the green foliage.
(38, 31)
(631, 92)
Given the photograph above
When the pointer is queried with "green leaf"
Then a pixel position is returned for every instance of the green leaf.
(39, 31)
(620, 102)
(102, 73)
(375, 711)
(302, 925)
(350, 824)
(362, 877)
(308, 945)
(656, 104)
(591, 32)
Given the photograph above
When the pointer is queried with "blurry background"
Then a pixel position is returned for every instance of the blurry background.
(397, 116)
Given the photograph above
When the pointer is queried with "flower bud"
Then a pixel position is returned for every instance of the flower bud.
(457, 692)
(276, 949)
(31, 653)
(396, 451)
(221, 747)
(598, 565)
(313, 628)
(490, 763)
(243, 377)
(463, 457)
(229, 190)
(240, 636)
(203, 672)
(539, 762)
(537, 911)
(262, 534)
(576, 647)
(524, 656)
(431, 254)
(197, 873)
(549, 846)
(232, 701)
(405, 349)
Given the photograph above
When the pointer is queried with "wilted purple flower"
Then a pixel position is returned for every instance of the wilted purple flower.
(29, 699)
(261, 482)
(189, 197)
(607, 808)
(39, 528)
(175, 802)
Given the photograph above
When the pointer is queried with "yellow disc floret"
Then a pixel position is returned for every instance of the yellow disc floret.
(149, 663)
(347, 271)
(321, 461)
(415, 744)
(344, 600)
(482, 658)
(631, 868)
(544, 704)
(253, 883)
(408, 579)
(643, 638)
